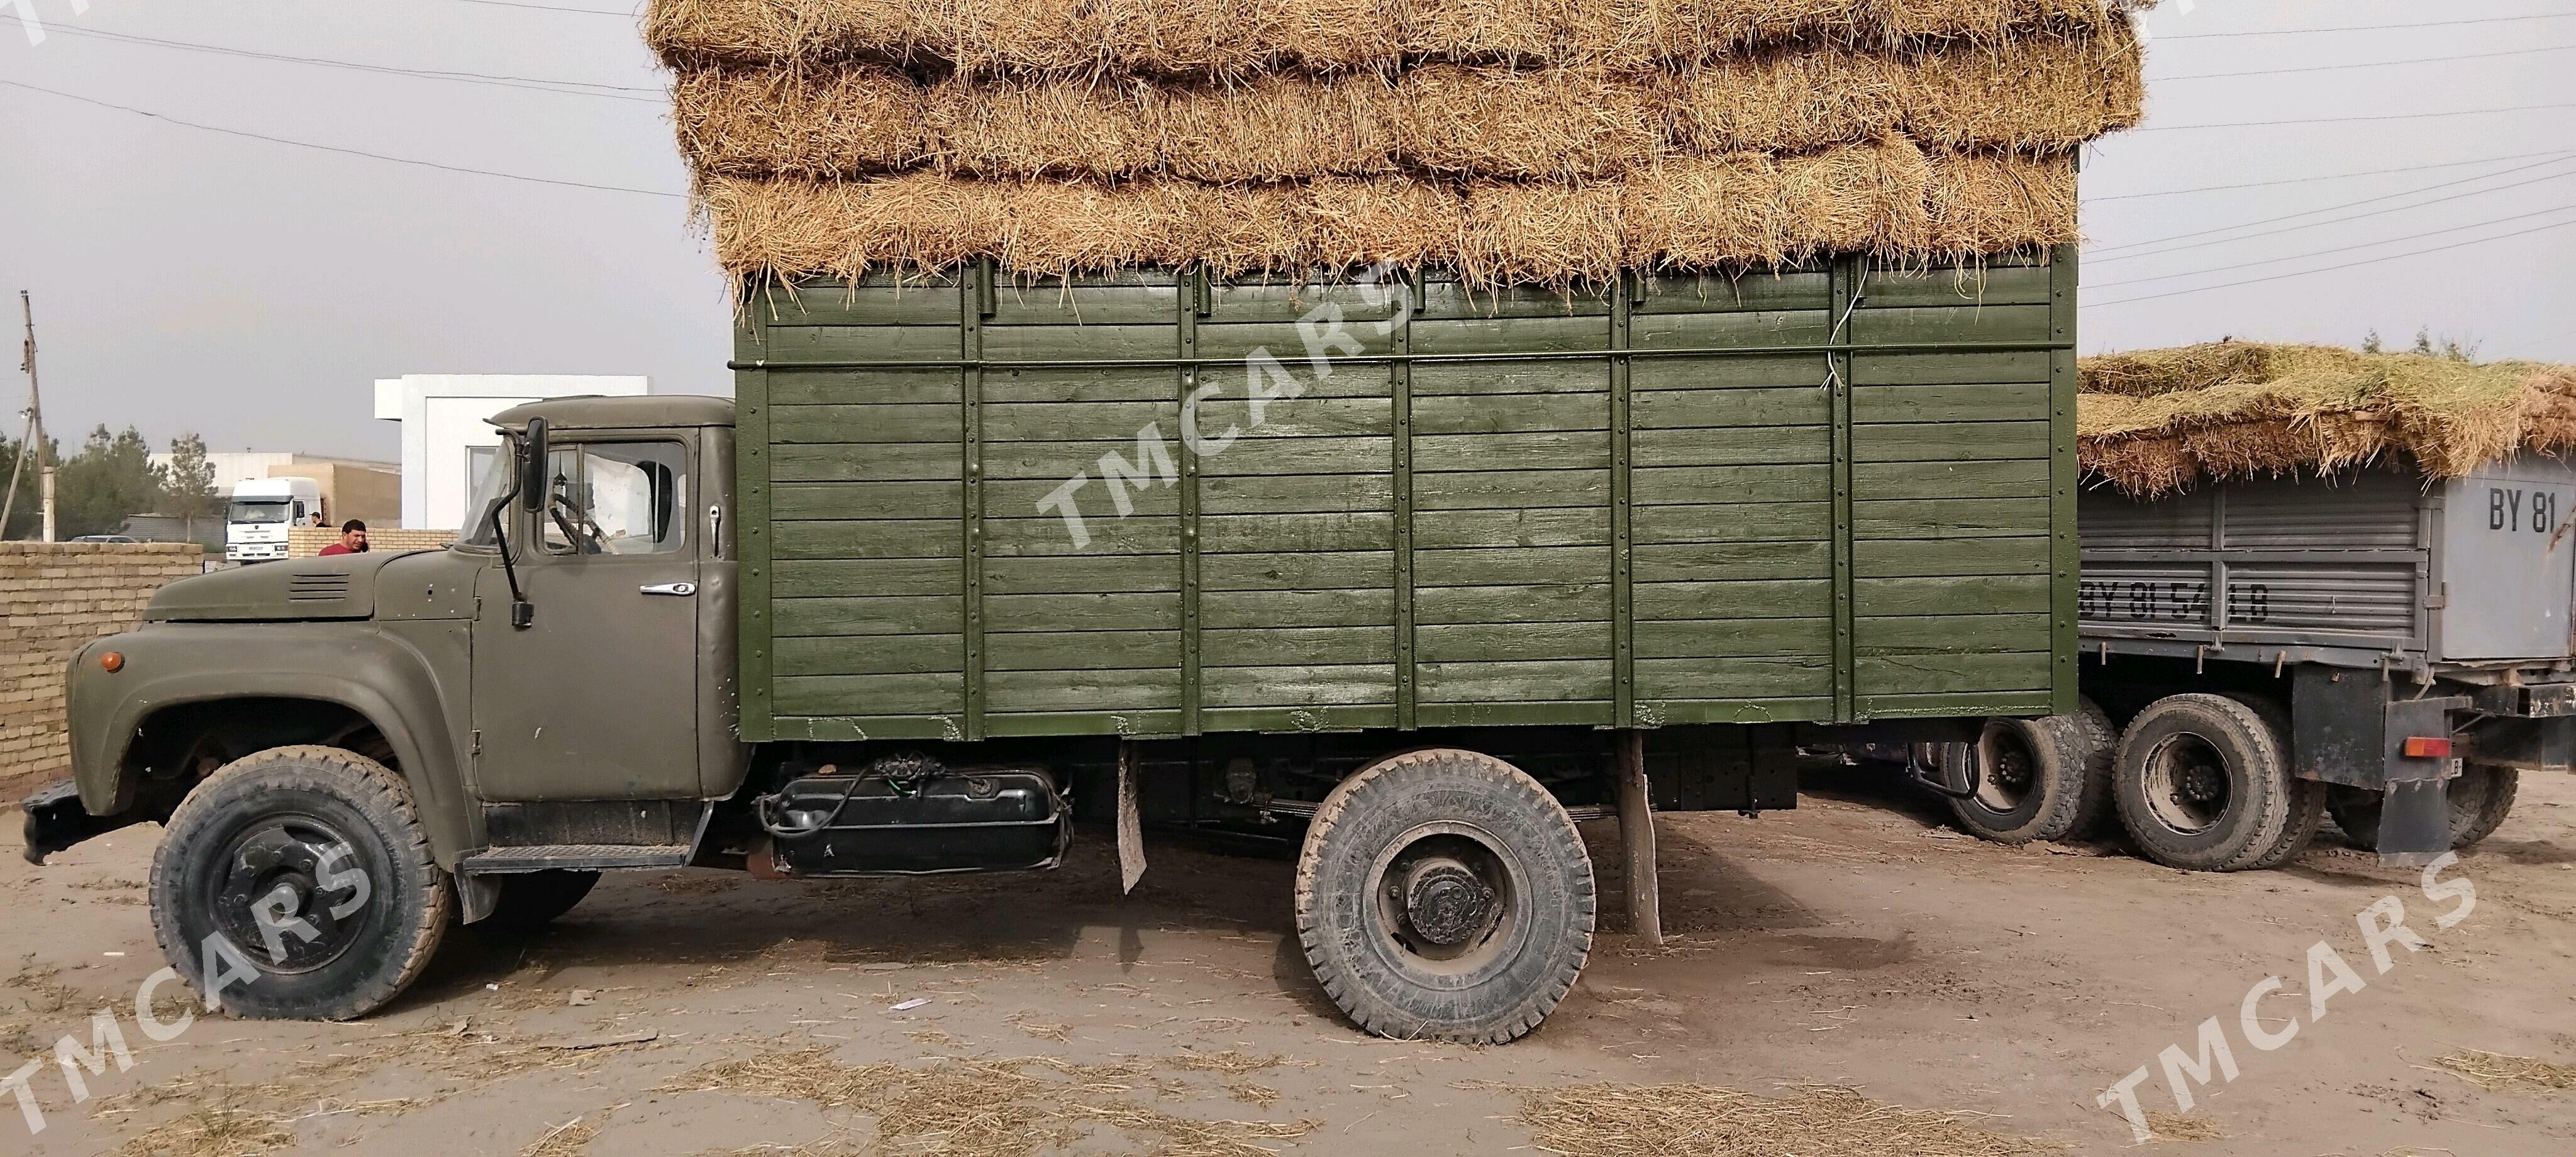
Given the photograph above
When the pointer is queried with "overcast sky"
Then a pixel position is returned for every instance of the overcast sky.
(186, 279)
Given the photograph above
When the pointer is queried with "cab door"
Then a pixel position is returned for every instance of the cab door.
(597, 698)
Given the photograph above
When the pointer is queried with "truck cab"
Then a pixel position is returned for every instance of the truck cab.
(260, 513)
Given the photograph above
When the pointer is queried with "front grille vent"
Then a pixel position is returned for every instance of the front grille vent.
(317, 588)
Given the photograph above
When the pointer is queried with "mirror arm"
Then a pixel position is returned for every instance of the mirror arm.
(523, 614)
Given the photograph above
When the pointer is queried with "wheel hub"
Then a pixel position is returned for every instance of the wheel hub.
(1445, 902)
(276, 892)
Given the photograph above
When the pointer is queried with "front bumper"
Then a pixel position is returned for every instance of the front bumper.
(56, 820)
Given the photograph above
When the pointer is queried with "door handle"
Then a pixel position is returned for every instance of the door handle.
(683, 590)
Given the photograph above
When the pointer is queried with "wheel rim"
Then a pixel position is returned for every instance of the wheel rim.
(288, 893)
(1445, 898)
(2011, 771)
(2188, 788)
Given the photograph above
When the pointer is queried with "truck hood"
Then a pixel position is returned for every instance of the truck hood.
(339, 587)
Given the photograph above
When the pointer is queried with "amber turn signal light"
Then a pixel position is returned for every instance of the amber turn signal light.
(2427, 747)
(111, 661)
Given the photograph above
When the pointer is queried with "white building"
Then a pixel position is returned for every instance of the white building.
(446, 440)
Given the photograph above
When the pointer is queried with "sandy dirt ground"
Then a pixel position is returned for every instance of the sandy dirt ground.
(1978, 999)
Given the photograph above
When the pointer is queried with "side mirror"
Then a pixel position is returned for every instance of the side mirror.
(532, 467)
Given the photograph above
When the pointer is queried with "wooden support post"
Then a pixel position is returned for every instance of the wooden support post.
(1637, 838)
(1131, 833)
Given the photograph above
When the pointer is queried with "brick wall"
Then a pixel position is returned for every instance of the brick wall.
(307, 541)
(53, 598)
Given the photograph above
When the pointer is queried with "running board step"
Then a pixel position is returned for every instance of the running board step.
(575, 857)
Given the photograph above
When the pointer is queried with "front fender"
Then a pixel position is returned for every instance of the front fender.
(354, 665)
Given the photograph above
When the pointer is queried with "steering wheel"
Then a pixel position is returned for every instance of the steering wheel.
(583, 533)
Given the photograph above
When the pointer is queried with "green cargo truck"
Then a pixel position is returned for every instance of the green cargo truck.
(1407, 577)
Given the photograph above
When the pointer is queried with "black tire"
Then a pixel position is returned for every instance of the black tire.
(2480, 800)
(531, 900)
(2203, 784)
(269, 828)
(2308, 798)
(1444, 895)
(2043, 779)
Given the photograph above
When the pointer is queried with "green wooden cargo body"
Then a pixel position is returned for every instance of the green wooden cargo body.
(1677, 501)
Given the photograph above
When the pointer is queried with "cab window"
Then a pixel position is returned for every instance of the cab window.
(616, 498)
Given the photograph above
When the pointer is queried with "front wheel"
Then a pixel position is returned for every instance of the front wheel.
(1444, 895)
(297, 883)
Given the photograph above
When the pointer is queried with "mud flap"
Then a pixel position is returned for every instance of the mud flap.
(1131, 834)
(1637, 840)
(2414, 823)
(56, 820)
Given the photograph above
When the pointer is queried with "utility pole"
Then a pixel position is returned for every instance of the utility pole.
(34, 439)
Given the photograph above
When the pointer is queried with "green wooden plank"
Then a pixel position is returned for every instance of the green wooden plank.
(1314, 570)
(1848, 273)
(1676, 712)
(1027, 386)
(1930, 673)
(1227, 416)
(1736, 638)
(798, 578)
(1748, 372)
(1090, 691)
(1567, 526)
(1528, 414)
(1713, 293)
(1773, 677)
(1022, 304)
(1950, 324)
(801, 345)
(1552, 603)
(1776, 599)
(1723, 561)
(843, 655)
(1445, 299)
(1955, 705)
(1949, 441)
(1735, 522)
(868, 615)
(1251, 456)
(1105, 611)
(911, 538)
(1510, 489)
(1248, 533)
(1073, 421)
(1298, 646)
(1950, 369)
(1518, 641)
(1751, 328)
(1690, 409)
(1744, 447)
(1506, 565)
(2064, 317)
(1434, 335)
(1277, 301)
(1275, 609)
(1060, 724)
(1593, 713)
(1950, 518)
(1108, 534)
(1105, 574)
(1080, 650)
(863, 387)
(805, 500)
(1401, 386)
(1103, 342)
(1021, 497)
(1548, 451)
(2005, 479)
(1623, 486)
(1989, 595)
(921, 303)
(868, 694)
(1498, 379)
(862, 425)
(850, 729)
(927, 461)
(1544, 681)
(1297, 494)
(1672, 485)
(1890, 289)
(1299, 686)
(1913, 558)
(1193, 300)
(2012, 402)
(1919, 633)
(1286, 340)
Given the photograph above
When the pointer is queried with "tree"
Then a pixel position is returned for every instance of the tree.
(189, 487)
(26, 515)
(110, 480)
(2444, 346)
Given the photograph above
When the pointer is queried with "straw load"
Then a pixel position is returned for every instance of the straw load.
(2155, 422)
(1545, 141)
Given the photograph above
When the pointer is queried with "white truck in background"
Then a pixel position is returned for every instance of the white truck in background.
(256, 521)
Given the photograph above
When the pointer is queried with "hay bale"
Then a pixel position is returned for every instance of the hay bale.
(1990, 203)
(2035, 97)
(2157, 421)
(1232, 38)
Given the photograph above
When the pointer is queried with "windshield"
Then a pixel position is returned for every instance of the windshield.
(269, 510)
(489, 467)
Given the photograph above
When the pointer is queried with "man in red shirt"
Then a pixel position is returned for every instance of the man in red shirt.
(353, 539)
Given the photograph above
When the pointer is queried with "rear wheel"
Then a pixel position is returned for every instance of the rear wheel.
(297, 883)
(1444, 895)
(2480, 800)
(2040, 779)
(2203, 783)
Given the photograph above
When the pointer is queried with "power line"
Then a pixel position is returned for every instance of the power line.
(2330, 268)
(2365, 64)
(2337, 249)
(2412, 116)
(551, 8)
(337, 149)
(2346, 205)
(2311, 31)
(539, 84)
(2326, 177)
